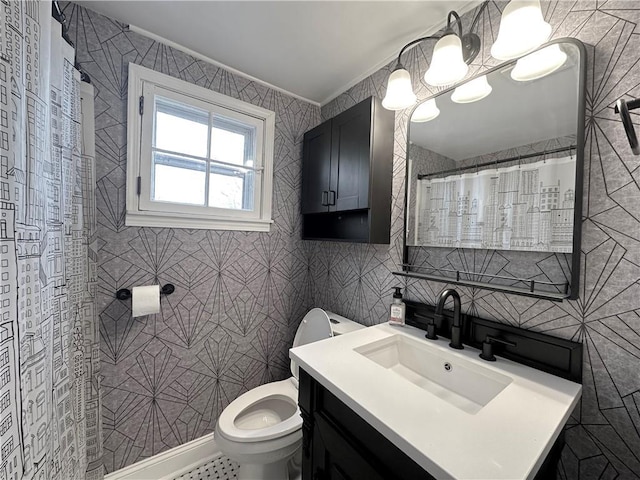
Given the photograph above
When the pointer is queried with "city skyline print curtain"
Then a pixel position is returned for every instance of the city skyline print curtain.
(50, 425)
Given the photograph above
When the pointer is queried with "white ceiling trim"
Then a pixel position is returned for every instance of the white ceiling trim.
(200, 56)
(430, 31)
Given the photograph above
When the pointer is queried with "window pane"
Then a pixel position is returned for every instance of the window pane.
(229, 188)
(178, 180)
(180, 128)
(233, 141)
(227, 146)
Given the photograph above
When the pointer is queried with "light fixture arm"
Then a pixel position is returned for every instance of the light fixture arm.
(477, 17)
(410, 44)
(453, 13)
(470, 41)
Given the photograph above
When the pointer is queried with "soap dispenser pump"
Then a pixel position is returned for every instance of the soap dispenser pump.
(398, 308)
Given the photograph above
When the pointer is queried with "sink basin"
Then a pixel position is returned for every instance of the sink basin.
(460, 382)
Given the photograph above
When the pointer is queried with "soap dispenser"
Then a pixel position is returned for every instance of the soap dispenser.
(398, 308)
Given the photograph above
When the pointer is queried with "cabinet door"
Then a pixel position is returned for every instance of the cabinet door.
(336, 459)
(316, 169)
(350, 157)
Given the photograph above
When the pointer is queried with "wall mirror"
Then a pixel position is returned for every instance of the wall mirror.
(494, 177)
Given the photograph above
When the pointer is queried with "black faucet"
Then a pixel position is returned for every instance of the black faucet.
(456, 329)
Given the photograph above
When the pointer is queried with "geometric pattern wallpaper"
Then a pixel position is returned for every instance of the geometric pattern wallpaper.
(239, 295)
(603, 434)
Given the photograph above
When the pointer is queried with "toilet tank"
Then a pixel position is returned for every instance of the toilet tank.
(314, 328)
(341, 325)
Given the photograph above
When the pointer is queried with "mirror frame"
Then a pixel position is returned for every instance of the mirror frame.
(574, 280)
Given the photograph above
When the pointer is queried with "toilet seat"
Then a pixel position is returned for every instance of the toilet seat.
(284, 390)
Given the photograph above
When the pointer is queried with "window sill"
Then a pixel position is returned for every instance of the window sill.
(164, 220)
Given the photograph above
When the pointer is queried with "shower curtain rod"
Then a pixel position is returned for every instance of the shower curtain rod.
(497, 162)
(59, 16)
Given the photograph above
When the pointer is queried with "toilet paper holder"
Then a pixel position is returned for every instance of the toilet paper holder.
(125, 293)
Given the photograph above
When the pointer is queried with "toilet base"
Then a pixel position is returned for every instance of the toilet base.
(286, 469)
(274, 459)
(265, 471)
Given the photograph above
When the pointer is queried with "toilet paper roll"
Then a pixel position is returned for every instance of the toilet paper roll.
(145, 300)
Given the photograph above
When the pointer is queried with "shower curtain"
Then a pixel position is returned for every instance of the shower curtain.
(49, 349)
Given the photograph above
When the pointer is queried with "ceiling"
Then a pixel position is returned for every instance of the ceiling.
(312, 49)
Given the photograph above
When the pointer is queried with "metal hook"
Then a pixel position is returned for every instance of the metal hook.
(622, 107)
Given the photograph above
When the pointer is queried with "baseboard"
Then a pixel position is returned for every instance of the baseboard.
(172, 463)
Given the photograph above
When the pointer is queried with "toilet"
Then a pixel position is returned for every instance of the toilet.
(262, 429)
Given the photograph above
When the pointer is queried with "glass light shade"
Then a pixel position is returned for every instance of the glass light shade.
(447, 64)
(399, 91)
(539, 64)
(426, 111)
(522, 30)
(472, 91)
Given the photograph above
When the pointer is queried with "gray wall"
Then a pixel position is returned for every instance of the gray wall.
(355, 280)
(239, 296)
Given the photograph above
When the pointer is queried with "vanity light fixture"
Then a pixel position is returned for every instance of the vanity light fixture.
(472, 91)
(539, 64)
(452, 54)
(399, 90)
(522, 30)
(449, 63)
(425, 112)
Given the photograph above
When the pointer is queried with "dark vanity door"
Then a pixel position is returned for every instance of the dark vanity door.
(339, 445)
(350, 158)
(316, 169)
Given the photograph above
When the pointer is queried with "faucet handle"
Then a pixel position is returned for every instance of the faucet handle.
(487, 347)
(431, 332)
(431, 325)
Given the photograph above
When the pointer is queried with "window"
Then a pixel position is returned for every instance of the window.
(6, 424)
(7, 449)
(5, 377)
(42, 437)
(5, 401)
(40, 405)
(196, 158)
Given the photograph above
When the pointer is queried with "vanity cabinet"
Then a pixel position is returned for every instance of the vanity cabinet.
(347, 168)
(339, 445)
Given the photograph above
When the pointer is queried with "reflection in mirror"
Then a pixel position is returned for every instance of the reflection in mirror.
(492, 166)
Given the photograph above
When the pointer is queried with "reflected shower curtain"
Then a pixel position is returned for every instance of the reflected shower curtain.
(49, 350)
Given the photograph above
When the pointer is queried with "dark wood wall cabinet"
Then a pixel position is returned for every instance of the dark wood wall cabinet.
(338, 444)
(347, 168)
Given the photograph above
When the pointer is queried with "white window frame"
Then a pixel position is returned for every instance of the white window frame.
(140, 210)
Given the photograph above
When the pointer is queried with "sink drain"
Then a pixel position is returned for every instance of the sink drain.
(448, 367)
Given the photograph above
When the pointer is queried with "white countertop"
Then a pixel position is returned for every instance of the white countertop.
(508, 438)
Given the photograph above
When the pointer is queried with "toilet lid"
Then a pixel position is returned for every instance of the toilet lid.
(314, 326)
